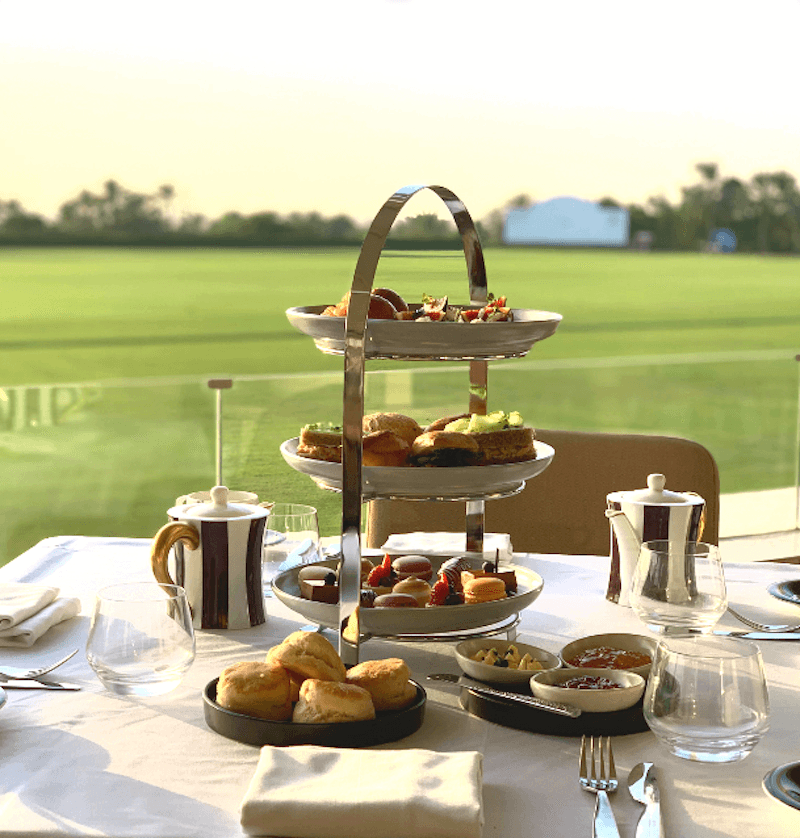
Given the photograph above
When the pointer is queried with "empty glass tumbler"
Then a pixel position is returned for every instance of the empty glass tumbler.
(679, 584)
(706, 698)
(141, 640)
(291, 538)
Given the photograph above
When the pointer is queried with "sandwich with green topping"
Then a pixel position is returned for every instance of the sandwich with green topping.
(500, 437)
(321, 441)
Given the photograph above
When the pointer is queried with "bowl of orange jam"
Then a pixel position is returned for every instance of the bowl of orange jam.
(620, 652)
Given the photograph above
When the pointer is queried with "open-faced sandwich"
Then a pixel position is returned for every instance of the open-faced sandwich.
(321, 441)
(499, 437)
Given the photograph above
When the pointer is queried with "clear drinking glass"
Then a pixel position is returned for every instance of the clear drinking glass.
(706, 698)
(141, 640)
(678, 584)
(291, 538)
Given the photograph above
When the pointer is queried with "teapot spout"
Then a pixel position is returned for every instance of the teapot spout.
(629, 544)
(623, 529)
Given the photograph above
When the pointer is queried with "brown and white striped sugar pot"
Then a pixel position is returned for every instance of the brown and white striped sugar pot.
(220, 563)
(646, 515)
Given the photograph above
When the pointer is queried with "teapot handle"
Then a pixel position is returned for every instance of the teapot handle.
(162, 544)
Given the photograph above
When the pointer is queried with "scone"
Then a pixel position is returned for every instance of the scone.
(256, 689)
(387, 681)
(322, 702)
(404, 426)
(385, 448)
(295, 681)
(309, 655)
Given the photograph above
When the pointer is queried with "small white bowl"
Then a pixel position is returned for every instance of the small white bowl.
(501, 674)
(549, 685)
(625, 642)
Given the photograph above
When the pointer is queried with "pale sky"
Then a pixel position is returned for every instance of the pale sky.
(331, 106)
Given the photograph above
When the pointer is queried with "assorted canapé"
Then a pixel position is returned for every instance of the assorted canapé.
(410, 582)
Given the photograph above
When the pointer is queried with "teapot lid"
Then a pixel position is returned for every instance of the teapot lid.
(220, 508)
(655, 493)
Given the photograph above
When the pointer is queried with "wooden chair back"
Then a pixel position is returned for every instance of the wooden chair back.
(563, 509)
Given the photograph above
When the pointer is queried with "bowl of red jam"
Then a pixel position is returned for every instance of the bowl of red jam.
(592, 690)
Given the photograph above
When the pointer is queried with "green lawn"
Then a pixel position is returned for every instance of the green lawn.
(695, 345)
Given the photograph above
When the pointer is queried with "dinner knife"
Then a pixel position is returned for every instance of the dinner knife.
(755, 635)
(518, 698)
(30, 684)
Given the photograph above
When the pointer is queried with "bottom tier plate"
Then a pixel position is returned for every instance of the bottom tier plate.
(388, 726)
(383, 622)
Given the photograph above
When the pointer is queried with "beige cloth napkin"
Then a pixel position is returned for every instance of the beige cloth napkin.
(28, 611)
(306, 791)
(19, 601)
(447, 544)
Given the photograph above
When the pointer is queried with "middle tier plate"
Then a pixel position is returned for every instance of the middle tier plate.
(459, 483)
(413, 621)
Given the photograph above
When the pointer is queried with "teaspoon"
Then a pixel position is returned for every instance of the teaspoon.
(644, 789)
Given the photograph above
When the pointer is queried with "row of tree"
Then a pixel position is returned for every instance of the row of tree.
(763, 213)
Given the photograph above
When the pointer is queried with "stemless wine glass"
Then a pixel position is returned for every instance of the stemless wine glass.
(706, 698)
(679, 585)
(141, 640)
(291, 538)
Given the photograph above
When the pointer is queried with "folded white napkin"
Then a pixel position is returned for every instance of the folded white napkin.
(307, 791)
(447, 543)
(19, 601)
(27, 631)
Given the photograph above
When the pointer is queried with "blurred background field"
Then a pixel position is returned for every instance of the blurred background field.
(106, 415)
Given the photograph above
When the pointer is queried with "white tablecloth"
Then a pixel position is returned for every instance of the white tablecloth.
(90, 763)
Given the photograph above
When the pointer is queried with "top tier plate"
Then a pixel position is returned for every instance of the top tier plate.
(414, 340)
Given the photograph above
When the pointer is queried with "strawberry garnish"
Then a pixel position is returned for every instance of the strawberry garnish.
(376, 575)
(439, 592)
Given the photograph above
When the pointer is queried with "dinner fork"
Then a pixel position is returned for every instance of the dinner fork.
(762, 626)
(604, 825)
(15, 672)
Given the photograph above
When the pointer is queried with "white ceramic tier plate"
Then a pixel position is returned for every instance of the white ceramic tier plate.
(417, 621)
(461, 483)
(411, 339)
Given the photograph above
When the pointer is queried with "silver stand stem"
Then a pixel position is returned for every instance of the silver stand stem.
(353, 413)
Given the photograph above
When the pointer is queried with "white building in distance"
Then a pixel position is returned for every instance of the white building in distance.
(567, 222)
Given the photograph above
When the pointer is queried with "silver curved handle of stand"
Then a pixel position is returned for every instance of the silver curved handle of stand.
(353, 412)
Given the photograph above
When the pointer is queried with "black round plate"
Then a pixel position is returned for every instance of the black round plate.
(783, 783)
(508, 714)
(790, 591)
(388, 726)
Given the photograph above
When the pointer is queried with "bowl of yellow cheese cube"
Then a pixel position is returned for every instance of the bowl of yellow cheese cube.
(504, 662)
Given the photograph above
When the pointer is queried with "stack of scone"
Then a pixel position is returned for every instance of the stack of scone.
(304, 680)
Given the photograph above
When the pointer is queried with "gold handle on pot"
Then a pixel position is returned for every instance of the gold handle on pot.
(162, 544)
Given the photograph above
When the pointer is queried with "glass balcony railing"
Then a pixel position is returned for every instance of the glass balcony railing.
(109, 459)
